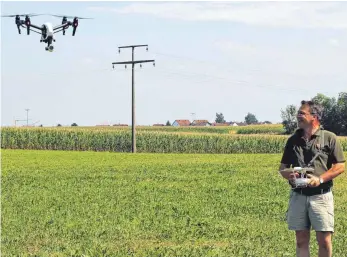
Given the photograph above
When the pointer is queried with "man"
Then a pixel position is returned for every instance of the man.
(314, 204)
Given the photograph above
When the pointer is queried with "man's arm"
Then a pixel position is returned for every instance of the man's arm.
(338, 160)
(336, 169)
(338, 166)
(282, 167)
(286, 160)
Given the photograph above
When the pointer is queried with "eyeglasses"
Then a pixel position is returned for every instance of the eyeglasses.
(301, 113)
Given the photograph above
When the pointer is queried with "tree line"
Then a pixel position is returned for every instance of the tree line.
(334, 116)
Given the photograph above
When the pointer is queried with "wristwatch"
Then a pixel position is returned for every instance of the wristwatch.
(321, 180)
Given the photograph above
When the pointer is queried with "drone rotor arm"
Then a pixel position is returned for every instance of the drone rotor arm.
(32, 29)
(62, 26)
(35, 26)
(57, 31)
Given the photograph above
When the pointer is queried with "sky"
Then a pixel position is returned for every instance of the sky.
(210, 57)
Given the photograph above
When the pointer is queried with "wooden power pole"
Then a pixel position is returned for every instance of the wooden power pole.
(133, 62)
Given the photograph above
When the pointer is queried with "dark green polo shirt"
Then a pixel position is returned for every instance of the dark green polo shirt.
(298, 150)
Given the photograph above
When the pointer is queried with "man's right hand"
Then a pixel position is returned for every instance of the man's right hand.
(291, 178)
(290, 174)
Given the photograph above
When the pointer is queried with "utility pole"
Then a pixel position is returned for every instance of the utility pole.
(27, 116)
(133, 62)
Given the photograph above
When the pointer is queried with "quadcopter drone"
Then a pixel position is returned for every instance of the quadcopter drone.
(47, 30)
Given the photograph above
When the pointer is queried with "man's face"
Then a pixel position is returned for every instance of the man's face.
(304, 117)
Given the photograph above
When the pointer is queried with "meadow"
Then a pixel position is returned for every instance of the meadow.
(76, 191)
(60, 203)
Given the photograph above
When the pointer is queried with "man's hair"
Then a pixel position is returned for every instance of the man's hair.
(315, 109)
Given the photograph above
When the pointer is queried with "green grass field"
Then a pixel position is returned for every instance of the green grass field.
(57, 203)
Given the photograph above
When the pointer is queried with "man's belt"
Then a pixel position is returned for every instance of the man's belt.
(312, 192)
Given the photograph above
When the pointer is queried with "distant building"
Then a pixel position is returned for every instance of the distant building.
(120, 125)
(221, 124)
(180, 123)
(239, 124)
(236, 124)
(200, 123)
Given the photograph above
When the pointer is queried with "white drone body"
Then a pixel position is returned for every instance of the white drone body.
(48, 37)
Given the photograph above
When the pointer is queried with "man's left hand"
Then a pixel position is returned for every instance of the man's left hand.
(314, 180)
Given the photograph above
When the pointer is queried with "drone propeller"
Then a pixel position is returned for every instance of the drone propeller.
(21, 15)
(20, 22)
(70, 17)
(74, 23)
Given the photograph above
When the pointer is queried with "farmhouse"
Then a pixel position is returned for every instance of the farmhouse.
(221, 124)
(200, 123)
(180, 123)
(235, 124)
(120, 125)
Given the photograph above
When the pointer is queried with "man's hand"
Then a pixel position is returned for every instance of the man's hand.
(314, 180)
(292, 177)
(289, 175)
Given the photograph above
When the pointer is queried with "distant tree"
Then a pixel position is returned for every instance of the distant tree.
(342, 113)
(251, 119)
(220, 118)
(74, 124)
(289, 120)
(41, 125)
(59, 125)
(267, 122)
(168, 123)
(330, 118)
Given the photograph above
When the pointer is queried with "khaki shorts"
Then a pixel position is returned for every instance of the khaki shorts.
(306, 211)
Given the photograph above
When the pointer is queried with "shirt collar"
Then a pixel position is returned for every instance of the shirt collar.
(300, 132)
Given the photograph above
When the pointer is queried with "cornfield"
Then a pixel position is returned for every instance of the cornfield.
(84, 139)
(249, 129)
(261, 129)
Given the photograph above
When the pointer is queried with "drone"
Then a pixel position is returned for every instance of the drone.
(47, 30)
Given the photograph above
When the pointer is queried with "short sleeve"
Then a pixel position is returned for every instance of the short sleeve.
(288, 152)
(336, 151)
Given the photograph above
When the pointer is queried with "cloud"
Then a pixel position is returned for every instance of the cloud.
(231, 46)
(334, 42)
(270, 14)
(87, 60)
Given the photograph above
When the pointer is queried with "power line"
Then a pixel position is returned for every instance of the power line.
(222, 66)
(133, 62)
